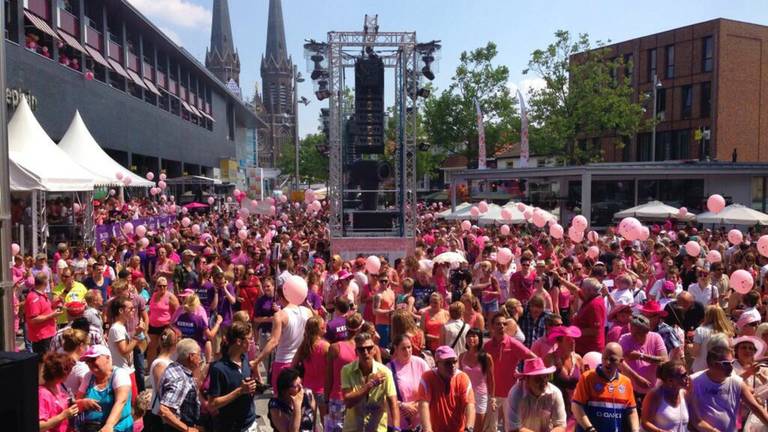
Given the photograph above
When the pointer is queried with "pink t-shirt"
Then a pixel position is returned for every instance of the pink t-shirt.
(408, 377)
(653, 346)
(51, 405)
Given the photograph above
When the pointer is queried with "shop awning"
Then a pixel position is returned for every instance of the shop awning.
(72, 41)
(151, 87)
(118, 68)
(138, 81)
(208, 116)
(97, 57)
(195, 111)
(185, 105)
(41, 25)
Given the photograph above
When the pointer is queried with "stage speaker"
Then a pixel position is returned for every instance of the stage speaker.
(374, 220)
(367, 174)
(18, 400)
(369, 105)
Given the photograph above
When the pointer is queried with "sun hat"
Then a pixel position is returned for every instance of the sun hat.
(619, 308)
(344, 275)
(652, 307)
(757, 342)
(746, 319)
(559, 331)
(444, 352)
(535, 366)
(96, 350)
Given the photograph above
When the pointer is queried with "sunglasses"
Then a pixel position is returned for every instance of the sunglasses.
(368, 348)
(162, 285)
(725, 363)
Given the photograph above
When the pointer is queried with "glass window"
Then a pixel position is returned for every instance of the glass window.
(670, 61)
(644, 147)
(677, 192)
(661, 103)
(629, 66)
(680, 148)
(609, 197)
(706, 100)
(651, 64)
(686, 101)
(708, 52)
(759, 200)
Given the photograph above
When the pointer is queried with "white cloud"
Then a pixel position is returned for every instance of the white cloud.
(526, 86)
(182, 13)
(172, 35)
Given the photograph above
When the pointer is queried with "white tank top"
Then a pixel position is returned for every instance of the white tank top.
(292, 334)
(670, 418)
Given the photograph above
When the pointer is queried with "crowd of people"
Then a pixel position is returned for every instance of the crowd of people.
(475, 329)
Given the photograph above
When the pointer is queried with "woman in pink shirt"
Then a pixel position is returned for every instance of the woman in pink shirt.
(407, 370)
(162, 306)
(313, 356)
(56, 406)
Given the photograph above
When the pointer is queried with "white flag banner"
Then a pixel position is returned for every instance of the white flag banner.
(480, 137)
(524, 150)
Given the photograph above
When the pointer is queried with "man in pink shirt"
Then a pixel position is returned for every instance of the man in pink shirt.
(41, 318)
(521, 282)
(644, 351)
(507, 352)
(590, 318)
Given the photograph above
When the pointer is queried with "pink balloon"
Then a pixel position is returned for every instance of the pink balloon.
(309, 196)
(141, 231)
(316, 205)
(504, 230)
(236, 193)
(480, 241)
(185, 222)
(735, 237)
(592, 359)
(15, 249)
(195, 229)
(715, 203)
(503, 256)
(644, 233)
(242, 234)
(76, 207)
(144, 242)
(682, 212)
(272, 210)
(466, 225)
(692, 248)
(528, 214)
(271, 201)
(539, 219)
(593, 252)
(119, 175)
(762, 245)
(593, 236)
(714, 256)
(482, 206)
(283, 198)
(296, 205)
(243, 212)
(184, 210)
(239, 224)
(580, 222)
(628, 224)
(128, 228)
(506, 214)
(521, 207)
(163, 176)
(150, 176)
(127, 180)
(741, 281)
(211, 200)
(161, 184)
(153, 191)
(576, 235)
(373, 265)
(556, 231)
(474, 211)
(112, 192)
(295, 290)
(172, 208)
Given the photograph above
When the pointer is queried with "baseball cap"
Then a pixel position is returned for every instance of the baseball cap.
(94, 351)
(444, 352)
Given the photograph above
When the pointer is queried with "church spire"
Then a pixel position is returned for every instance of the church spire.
(276, 33)
(222, 58)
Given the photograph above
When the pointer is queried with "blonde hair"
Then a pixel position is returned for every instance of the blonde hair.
(191, 303)
(715, 316)
(241, 316)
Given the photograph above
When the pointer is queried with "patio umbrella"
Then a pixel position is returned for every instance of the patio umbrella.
(195, 205)
(734, 214)
(653, 210)
(449, 257)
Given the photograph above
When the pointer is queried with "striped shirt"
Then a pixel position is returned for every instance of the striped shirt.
(606, 402)
(178, 391)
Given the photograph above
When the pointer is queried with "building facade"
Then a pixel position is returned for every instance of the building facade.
(712, 96)
(148, 102)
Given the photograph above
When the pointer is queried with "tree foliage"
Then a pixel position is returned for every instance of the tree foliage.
(450, 119)
(313, 166)
(587, 94)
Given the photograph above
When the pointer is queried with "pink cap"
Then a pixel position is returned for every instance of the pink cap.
(444, 352)
(94, 351)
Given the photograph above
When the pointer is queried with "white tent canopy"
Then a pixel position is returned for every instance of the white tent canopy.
(32, 150)
(459, 207)
(21, 180)
(494, 215)
(734, 214)
(653, 210)
(79, 144)
(460, 213)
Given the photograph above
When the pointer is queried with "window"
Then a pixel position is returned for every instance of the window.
(681, 143)
(663, 144)
(628, 67)
(643, 147)
(706, 100)
(708, 52)
(651, 64)
(670, 61)
(686, 101)
(661, 103)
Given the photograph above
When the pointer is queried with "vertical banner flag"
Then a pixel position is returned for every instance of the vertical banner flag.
(480, 137)
(524, 152)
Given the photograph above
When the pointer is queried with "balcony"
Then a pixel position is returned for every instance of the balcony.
(69, 23)
(115, 52)
(94, 39)
(162, 81)
(41, 8)
(132, 61)
(183, 93)
(172, 86)
(148, 72)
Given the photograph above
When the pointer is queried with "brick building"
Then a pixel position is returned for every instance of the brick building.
(712, 100)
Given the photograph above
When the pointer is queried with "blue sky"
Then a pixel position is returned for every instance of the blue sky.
(517, 27)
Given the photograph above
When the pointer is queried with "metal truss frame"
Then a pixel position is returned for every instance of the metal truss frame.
(341, 50)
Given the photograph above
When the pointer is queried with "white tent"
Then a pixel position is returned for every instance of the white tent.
(653, 210)
(79, 144)
(21, 180)
(31, 149)
(734, 214)
(460, 213)
(494, 215)
(459, 207)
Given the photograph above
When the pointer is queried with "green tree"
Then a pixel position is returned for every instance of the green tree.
(450, 119)
(587, 94)
(313, 166)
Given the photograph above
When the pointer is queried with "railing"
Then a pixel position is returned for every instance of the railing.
(93, 38)
(41, 8)
(115, 52)
(148, 71)
(132, 61)
(69, 23)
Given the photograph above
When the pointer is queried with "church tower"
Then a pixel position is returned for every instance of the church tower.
(221, 57)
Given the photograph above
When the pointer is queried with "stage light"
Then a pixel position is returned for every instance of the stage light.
(318, 70)
(322, 91)
(427, 69)
(423, 92)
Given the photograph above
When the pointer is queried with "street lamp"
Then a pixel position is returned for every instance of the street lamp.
(656, 86)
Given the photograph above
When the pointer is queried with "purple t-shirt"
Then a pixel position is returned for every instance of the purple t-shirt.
(205, 292)
(263, 308)
(192, 326)
(224, 307)
(314, 300)
(336, 330)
